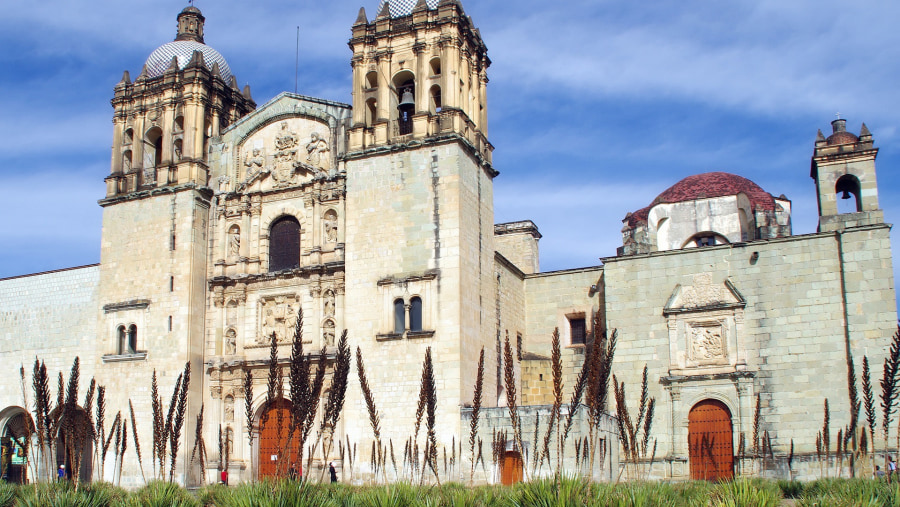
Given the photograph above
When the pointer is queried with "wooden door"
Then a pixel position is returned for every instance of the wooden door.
(710, 441)
(511, 468)
(275, 456)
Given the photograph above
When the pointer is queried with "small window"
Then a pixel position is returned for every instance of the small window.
(399, 316)
(415, 314)
(171, 284)
(284, 244)
(372, 80)
(435, 66)
(170, 323)
(578, 330)
(127, 339)
(705, 241)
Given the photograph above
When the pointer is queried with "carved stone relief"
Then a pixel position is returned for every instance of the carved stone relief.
(277, 315)
(234, 242)
(230, 342)
(331, 226)
(707, 342)
(328, 333)
(318, 154)
(329, 303)
(229, 408)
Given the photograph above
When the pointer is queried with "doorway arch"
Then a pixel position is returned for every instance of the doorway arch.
(15, 440)
(710, 441)
(275, 452)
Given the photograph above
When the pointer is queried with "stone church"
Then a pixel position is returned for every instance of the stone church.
(223, 218)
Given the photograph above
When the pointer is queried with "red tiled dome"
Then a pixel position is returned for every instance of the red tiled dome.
(841, 137)
(708, 186)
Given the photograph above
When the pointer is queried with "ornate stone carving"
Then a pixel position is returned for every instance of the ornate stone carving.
(234, 242)
(707, 342)
(255, 161)
(328, 333)
(230, 342)
(278, 315)
(318, 154)
(331, 226)
(229, 408)
(329, 303)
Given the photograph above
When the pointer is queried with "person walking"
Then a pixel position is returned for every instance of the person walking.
(224, 477)
(61, 473)
(892, 468)
(333, 472)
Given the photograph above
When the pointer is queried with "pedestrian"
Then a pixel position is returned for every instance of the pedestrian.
(333, 472)
(878, 473)
(224, 477)
(61, 473)
(292, 473)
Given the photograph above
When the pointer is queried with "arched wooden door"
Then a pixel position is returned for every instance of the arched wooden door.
(275, 453)
(710, 441)
(511, 468)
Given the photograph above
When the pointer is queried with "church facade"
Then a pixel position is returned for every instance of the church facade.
(223, 220)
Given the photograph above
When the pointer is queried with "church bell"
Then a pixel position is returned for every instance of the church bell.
(407, 98)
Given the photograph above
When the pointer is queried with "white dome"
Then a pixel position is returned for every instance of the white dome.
(159, 60)
(400, 8)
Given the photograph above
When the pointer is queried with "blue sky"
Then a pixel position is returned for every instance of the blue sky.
(595, 107)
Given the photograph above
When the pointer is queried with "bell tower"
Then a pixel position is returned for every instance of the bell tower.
(156, 212)
(843, 167)
(419, 71)
(419, 206)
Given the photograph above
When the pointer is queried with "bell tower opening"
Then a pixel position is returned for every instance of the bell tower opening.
(843, 167)
(422, 66)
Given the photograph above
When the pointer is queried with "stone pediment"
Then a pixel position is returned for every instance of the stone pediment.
(704, 295)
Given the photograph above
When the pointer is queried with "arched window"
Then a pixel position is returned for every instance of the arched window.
(132, 339)
(284, 244)
(126, 161)
(371, 112)
(371, 80)
(153, 147)
(399, 316)
(129, 137)
(127, 339)
(121, 340)
(435, 102)
(415, 314)
(847, 189)
(405, 84)
(435, 66)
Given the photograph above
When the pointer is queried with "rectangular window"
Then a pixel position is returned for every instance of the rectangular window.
(171, 284)
(578, 330)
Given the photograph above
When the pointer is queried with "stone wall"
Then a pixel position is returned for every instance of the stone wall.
(775, 311)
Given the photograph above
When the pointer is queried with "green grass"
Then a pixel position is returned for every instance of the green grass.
(540, 493)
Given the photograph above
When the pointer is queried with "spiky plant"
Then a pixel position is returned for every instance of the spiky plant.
(374, 417)
(826, 436)
(556, 411)
(122, 451)
(429, 387)
(42, 408)
(889, 391)
(199, 451)
(117, 421)
(597, 388)
(509, 377)
(635, 432)
(134, 435)
(476, 410)
(756, 422)
(178, 421)
(334, 404)
(869, 397)
(159, 441)
(248, 403)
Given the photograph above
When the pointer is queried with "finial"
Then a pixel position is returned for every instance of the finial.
(820, 136)
(246, 92)
(864, 131)
(421, 5)
(233, 83)
(173, 65)
(361, 19)
(215, 70)
(143, 74)
(385, 10)
(126, 78)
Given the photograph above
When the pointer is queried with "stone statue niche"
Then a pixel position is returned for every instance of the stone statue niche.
(331, 226)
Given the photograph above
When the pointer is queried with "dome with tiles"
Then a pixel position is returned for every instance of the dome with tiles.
(708, 186)
(399, 8)
(188, 40)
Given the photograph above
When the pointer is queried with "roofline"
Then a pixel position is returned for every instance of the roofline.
(50, 272)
